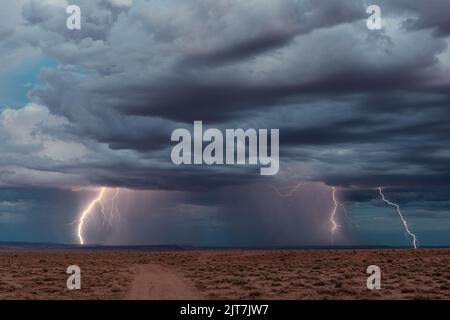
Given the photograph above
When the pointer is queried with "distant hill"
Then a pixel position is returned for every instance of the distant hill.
(33, 246)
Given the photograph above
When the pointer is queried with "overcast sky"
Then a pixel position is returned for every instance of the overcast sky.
(357, 109)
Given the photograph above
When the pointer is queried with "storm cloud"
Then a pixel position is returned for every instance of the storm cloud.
(356, 108)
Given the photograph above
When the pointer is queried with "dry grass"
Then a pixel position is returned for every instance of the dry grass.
(406, 274)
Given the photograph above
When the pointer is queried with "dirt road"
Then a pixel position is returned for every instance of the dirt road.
(154, 282)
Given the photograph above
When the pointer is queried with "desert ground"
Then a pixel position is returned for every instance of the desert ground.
(227, 274)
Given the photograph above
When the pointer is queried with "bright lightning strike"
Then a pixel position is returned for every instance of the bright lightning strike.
(99, 204)
(332, 220)
(333, 223)
(401, 217)
(85, 214)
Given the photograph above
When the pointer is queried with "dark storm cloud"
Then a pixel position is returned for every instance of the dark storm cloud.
(431, 14)
(187, 100)
(411, 181)
(241, 51)
(181, 92)
(430, 131)
(356, 109)
(302, 19)
(341, 94)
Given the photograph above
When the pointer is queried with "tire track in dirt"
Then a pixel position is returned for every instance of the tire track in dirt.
(155, 282)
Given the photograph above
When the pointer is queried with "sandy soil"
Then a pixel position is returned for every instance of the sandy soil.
(341, 274)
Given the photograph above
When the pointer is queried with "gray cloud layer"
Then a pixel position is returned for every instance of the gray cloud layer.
(355, 107)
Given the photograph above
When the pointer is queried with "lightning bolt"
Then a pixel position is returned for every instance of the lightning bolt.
(106, 220)
(332, 220)
(293, 189)
(91, 208)
(344, 209)
(414, 239)
(333, 223)
(114, 207)
(85, 214)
